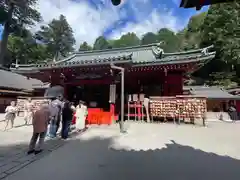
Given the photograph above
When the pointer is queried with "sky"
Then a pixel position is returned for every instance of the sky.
(92, 18)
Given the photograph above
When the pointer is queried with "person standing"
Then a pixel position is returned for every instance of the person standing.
(58, 102)
(53, 120)
(67, 115)
(10, 114)
(232, 111)
(28, 111)
(146, 106)
(81, 114)
(40, 122)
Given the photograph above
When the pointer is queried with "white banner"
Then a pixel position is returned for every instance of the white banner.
(112, 93)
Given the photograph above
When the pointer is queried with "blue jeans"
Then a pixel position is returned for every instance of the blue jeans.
(65, 128)
(52, 129)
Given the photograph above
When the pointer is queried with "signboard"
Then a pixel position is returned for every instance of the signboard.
(112, 93)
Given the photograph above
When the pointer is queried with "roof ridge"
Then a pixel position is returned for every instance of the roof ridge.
(190, 51)
(114, 49)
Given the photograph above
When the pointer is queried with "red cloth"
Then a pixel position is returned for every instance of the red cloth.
(74, 119)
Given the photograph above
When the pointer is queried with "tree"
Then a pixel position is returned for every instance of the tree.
(20, 14)
(126, 40)
(101, 43)
(222, 29)
(57, 36)
(190, 37)
(85, 47)
(3, 14)
(149, 38)
(169, 39)
(25, 50)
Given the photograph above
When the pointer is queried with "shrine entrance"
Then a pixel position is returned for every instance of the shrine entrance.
(95, 96)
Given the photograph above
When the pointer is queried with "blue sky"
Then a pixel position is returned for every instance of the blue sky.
(92, 18)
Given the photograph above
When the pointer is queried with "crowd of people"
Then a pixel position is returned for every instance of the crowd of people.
(47, 119)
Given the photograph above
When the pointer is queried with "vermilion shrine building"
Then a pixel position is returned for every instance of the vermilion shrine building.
(148, 70)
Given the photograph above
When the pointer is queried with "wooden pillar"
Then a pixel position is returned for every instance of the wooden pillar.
(181, 83)
(165, 83)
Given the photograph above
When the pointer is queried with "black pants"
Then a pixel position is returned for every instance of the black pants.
(65, 128)
(35, 137)
(233, 115)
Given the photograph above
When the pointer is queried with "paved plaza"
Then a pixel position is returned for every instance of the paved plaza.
(13, 146)
(147, 151)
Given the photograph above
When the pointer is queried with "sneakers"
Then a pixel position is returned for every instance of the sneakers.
(38, 151)
(31, 152)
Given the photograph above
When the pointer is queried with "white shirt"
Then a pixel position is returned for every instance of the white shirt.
(28, 106)
(11, 109)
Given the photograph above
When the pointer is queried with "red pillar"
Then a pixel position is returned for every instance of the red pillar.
(112, 100)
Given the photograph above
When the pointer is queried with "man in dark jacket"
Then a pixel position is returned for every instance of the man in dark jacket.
(67, 115)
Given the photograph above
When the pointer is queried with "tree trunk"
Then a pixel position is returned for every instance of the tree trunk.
(5, 35)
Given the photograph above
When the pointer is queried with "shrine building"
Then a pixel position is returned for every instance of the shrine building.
(148, 70)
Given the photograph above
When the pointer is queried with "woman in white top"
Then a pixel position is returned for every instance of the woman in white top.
(10, 114)
(81, 114)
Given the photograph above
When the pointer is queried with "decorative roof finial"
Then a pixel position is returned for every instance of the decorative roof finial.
(157, 50)
(160, 43)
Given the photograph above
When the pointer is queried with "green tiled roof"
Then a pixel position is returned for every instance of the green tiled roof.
(12, 80)
(145, 54)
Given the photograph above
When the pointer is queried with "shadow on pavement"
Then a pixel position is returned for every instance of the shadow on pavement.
(22, 125)
(96, 159)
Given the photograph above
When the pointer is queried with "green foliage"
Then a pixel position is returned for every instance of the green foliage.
(222, 29)
(222, 79)
(25, 49)
(190, 37)
(85, 47)
(24, 14)
(170, 40)
(126, 40)
(149, 38)
(57, 36)
(15, 18)
(3, 15)
(101, 43)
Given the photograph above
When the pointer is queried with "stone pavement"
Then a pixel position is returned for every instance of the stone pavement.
(147, 151)
(14, 144)
(12, 140)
